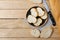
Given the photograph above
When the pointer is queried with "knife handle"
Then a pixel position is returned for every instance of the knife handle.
(52, 18)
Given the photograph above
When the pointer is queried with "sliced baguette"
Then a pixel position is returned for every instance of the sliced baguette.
(39, 21)
(35, 32)
(46, 32)
(44, 16)
(34, 12)
(40, 12)
(31, 19)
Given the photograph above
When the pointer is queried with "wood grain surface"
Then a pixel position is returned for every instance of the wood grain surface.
(13, 24)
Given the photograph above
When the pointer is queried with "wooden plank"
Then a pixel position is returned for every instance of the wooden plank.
(57, 38)
(14, 0)
(13, 23)
(13, 13)
(23, 33)
(22, 4)
(15, 33)
(10, 0)
(55, 33)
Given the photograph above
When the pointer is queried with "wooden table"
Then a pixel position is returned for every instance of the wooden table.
(13, 25)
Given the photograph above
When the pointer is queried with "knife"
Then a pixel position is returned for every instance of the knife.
(49, 13)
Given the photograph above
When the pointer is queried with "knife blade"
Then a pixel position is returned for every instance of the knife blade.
(49, 12)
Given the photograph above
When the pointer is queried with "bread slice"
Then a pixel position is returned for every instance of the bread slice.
(39, 21)
(34, 12)
(36, 1)
(46, 32)
(40, 11)
(35, 32)
(44, 16)
(31, 19)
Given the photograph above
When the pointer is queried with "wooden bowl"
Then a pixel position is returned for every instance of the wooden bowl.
(44, 21)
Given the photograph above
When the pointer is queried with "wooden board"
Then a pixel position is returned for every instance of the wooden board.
(22, 4)
(13, 24)
(29, 38)
(13, 13)
(15, 9)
